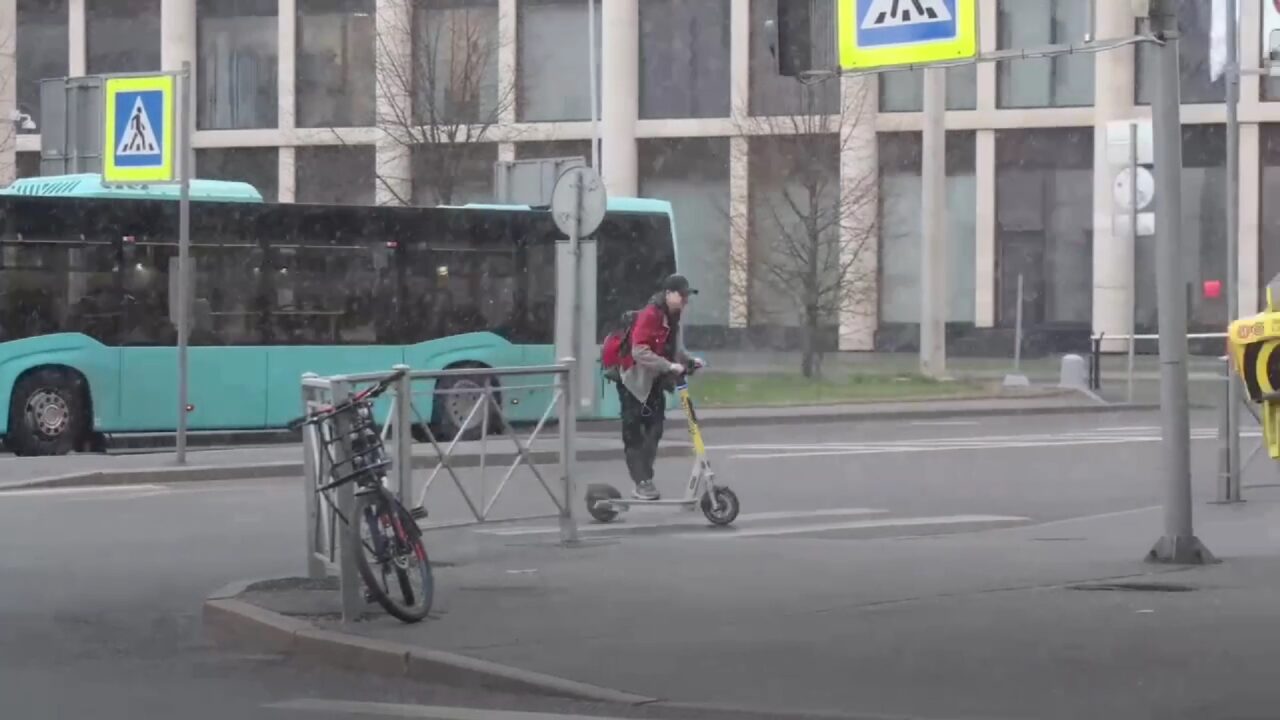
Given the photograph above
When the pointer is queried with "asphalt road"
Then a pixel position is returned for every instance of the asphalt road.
(100, 588)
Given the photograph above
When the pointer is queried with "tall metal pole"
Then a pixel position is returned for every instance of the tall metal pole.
(595, 86)
(1233, 239)
(1133, 253)
(1179, 544)
(933, 251)
(184, 251)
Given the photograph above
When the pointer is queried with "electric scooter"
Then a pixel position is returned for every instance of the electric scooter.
(718, 503)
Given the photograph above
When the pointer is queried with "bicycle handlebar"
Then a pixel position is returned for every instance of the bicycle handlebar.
(369, 393)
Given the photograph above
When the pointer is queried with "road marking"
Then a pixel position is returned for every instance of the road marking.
(745, 517)
(943, 423)
(998, 442)
(428, 712)
(863, 525)
(106, 490)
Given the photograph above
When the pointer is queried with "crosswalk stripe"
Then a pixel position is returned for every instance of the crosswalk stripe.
(942, 520)
(745, 517)
(425, 712)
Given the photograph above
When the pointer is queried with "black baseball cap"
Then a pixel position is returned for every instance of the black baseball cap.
(678, 283)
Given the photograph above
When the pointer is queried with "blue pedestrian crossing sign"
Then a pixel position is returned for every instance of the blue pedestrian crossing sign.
(140, 130)
(885, 33)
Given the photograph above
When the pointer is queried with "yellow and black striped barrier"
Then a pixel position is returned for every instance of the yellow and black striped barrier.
(1255, 354)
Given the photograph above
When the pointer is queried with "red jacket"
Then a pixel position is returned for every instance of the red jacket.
(653, 330)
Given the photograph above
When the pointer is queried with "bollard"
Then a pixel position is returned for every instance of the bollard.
(1095, 364)
(1073, 373)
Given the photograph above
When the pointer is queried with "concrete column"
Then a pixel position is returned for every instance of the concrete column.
(77, 39)
(288, 170)
(859, 175)
(394, 61)
(984, 275)
(739, 230)
(177, 33)
(287, 75)
(740, 59)
(506, 151)
(1250, 293)
(8, 90)
(988, 41)
(620, 95)
(508, 59)
(1113, 252)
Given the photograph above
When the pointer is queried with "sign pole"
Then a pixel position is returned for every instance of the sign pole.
(1233, 240)
(933, 167)
(183, 132)
(1179, 545)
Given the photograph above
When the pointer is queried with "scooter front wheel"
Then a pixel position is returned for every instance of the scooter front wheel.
(720, 506)
(599, 512)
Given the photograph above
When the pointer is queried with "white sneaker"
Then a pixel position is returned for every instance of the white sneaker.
(646, 491)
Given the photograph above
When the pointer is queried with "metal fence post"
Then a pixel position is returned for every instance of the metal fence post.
(311, 501)
(403, 423)
(348, 576)
(1224, 436)
(568, 382)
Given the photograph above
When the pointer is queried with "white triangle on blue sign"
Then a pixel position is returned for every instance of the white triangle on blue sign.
(138, 137)
(897, 13)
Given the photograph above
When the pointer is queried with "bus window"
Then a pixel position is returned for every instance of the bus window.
(327, 279)
(634, 254)
(52, 279)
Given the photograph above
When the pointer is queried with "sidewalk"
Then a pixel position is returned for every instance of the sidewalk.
(1061, 620)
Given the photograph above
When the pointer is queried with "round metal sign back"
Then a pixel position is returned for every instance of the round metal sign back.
(588, 206)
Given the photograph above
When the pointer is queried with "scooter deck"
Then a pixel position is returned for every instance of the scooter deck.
(626, 503)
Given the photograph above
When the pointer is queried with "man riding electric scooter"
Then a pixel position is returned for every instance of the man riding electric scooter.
(657, 358)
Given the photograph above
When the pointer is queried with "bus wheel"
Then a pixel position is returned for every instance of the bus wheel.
(451, 410)
(46, 414)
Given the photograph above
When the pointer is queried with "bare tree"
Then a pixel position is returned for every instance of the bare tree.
(812, 233)
(9, 123)
(439, 93)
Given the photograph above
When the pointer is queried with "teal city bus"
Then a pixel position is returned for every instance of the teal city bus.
(87, 340)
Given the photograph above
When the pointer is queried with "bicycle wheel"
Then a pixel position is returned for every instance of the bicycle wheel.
(392, 560)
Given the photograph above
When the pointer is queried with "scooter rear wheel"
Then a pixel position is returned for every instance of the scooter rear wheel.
(596, 493)
(723, 509)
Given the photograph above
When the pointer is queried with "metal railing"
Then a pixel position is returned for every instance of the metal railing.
(1095, 358)
(327, 553)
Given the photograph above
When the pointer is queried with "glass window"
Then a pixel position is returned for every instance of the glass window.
(260, 167)
(795, 215)
(554, 149)
(1204, 237)
(1044, 225)
(1194, 20)
(453, 174)
(336, 175)
(52, 279)
(772, 94)
(1061, 81)
(900, 227)
(123, 35)
(335, 63)
(455, 64)
(1269, 260)
(903, 90)
(27, 164)
(634, 254)
(554, 81)
(684, 58)
(236, 75)
(328, 277)
(693, 175)
(42, 50)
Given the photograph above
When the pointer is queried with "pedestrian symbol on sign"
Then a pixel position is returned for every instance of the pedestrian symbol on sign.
(138, 138)
(896, 13)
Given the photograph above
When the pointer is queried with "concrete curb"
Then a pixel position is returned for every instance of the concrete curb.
(290, 469)
(935, 413)
(235, 623)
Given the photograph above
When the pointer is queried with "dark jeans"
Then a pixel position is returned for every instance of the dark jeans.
(641, 430)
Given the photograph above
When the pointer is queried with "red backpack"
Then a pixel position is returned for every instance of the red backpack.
(617, 346)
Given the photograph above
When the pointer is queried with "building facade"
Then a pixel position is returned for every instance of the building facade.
(304, 99)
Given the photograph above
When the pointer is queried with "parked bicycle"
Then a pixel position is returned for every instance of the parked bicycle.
(391, 558)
